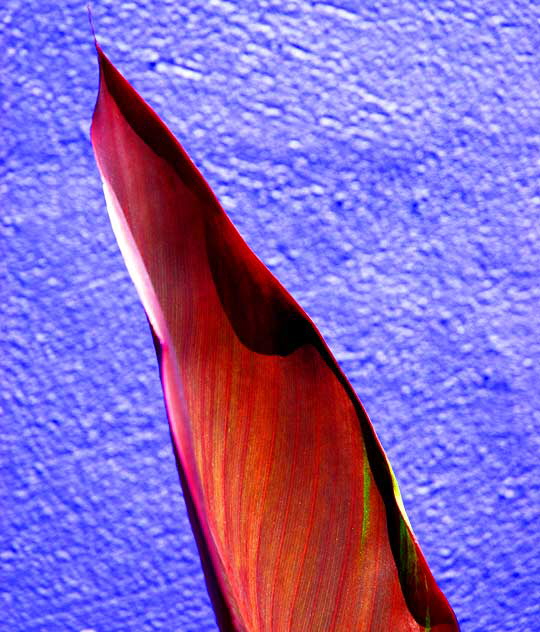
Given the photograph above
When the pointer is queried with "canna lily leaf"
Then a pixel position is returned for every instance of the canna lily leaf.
(293, 503)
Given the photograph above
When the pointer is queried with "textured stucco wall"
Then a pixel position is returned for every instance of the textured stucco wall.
(383, 158)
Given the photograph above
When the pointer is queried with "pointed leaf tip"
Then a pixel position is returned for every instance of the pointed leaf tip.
(290, 495)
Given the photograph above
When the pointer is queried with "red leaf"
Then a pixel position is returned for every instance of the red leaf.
(295, 508)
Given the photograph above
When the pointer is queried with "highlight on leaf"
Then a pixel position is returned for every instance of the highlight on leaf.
(294, 506)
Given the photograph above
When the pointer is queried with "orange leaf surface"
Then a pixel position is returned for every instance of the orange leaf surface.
(294, 506)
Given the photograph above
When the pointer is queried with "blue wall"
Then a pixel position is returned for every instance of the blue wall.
(383, 158)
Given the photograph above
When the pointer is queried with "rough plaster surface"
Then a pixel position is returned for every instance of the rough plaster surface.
(383, 159)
